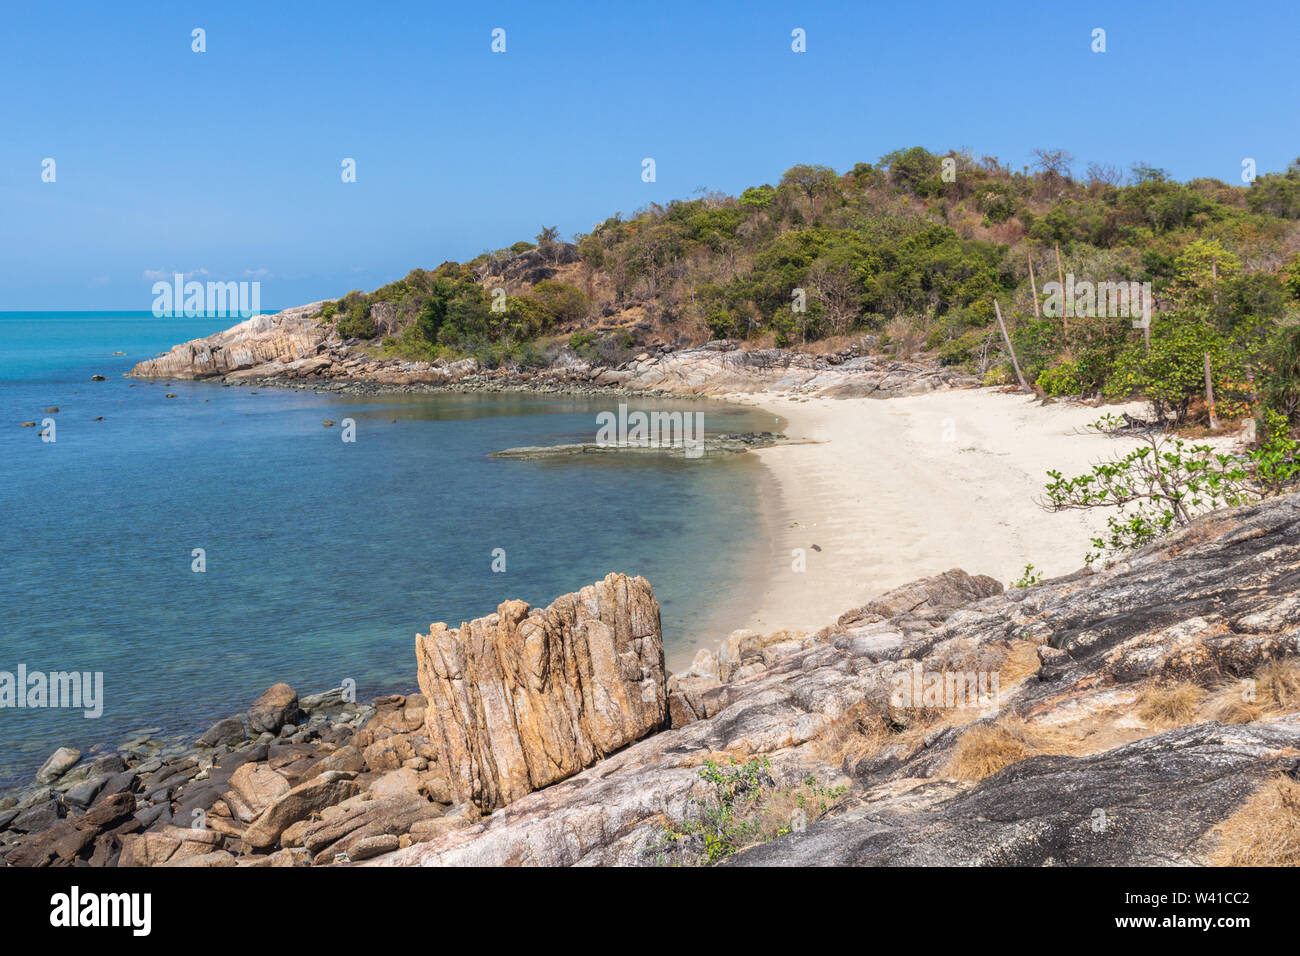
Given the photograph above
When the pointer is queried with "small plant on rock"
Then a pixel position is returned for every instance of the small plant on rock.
(1028, 578)
(746, 808)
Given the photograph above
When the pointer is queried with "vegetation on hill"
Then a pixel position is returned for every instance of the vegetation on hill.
(912, 251)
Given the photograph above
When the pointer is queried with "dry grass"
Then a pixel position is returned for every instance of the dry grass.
(1021, 661)
(905, 337)
(828, 345)
(1170, 705)
(1275, 690)
(724, 758)
(868, 727)
(1265, 831)
(984, 750)
(1228, 705)
(777, 810)
(1279, 682)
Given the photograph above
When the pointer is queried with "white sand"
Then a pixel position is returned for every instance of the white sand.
(900, 488)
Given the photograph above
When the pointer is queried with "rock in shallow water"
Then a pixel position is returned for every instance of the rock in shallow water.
(59, 763)
(229, 732)
(277, 706)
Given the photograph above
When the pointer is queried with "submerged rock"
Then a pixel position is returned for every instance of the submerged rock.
(59, 763)
(717, 446)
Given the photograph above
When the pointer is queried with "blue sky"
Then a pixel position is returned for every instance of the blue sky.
(229, 161)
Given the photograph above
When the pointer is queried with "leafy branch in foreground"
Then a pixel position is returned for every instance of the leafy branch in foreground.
(1164, 483)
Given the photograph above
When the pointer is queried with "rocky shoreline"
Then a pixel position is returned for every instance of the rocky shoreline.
(1144, 714)
(295, 349)
(1135, 715)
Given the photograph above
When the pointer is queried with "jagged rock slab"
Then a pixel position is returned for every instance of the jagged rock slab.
(614, 812)
(283, 338)
(523, 698)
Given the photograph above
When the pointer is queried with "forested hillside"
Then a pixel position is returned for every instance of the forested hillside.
(906, 255)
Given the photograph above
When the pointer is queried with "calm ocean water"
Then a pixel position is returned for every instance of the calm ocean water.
(323, 558)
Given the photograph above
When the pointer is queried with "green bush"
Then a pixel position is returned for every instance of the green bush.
(1281, 361)
(1165, 483)
(964, 349)
(1172, 372)
(1061, 380)
(357, 324)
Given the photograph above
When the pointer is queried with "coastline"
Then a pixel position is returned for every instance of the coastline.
(890, 492)
(898, 490)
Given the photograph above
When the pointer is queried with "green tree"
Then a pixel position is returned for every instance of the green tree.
(1172, 372)
(1277, 194)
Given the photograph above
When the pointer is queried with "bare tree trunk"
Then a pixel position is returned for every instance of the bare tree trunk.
(1007, 340)
(1033, 285)
(1146, 321)
(1065, 303)
(1209, 395)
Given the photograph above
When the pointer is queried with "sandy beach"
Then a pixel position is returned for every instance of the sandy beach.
(893, 490)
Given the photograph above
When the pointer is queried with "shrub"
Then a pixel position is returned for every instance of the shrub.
(745, 808)
(1172, 372)
(964, 349)
(1166, 482)
(583, 344)
(357, 324)
(1062, 380)
(561, 302)
(1281, 362)
(1029, 578)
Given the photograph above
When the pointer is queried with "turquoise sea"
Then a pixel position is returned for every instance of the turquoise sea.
(323, 558)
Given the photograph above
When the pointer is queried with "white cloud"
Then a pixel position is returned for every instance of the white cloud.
(157, 274)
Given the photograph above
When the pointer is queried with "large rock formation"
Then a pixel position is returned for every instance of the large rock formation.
(523, 698)
(292, 336)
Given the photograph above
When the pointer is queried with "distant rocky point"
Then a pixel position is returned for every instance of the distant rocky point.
(296, 348)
